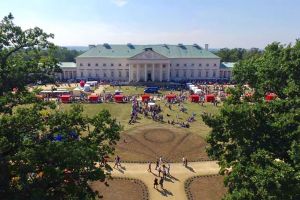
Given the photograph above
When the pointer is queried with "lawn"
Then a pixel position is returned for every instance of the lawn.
(121, 111)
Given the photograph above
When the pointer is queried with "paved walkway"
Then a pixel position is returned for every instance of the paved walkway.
(174, 188)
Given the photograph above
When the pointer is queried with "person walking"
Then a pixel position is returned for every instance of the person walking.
(183, 161)
(149, 167)
(116, 162)
(155, 184)
(186, 163)
(157, 164)
(160, 161)
(159, 171)
(169, 167)
(161, 182)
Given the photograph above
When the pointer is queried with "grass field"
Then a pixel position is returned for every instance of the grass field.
(147, 140)
(121, 111)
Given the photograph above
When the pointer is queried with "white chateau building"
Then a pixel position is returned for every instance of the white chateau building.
(135, 63)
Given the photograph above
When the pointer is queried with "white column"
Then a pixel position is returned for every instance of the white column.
(145, 66)
(130, 76)
(153, 75)
(168, 72)
(137, 72)
(161, 72)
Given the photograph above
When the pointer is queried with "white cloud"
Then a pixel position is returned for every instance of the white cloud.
(120, 3)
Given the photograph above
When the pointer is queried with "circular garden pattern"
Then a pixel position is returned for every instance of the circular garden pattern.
(209, 187)
(148, 143)
(121, 189)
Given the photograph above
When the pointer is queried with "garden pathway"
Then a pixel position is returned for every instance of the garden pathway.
(174, 188)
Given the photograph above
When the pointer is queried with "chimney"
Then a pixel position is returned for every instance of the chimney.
(206, 47)
(91, 46)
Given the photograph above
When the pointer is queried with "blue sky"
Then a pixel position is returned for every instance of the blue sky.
(220, 23)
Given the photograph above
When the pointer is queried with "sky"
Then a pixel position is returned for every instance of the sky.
(219, 23)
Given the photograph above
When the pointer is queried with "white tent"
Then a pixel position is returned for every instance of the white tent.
(190, 86)
(198, 91)
(77, 92)
(87, 88)
(92, 83)
(151, 104)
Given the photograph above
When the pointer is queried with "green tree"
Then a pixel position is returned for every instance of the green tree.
(48, 154)
(44, 153)
(258, 141)
(21, 61)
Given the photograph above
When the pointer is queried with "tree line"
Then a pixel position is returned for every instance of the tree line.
(237, 54)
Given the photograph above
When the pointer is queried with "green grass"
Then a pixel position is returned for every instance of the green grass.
(121, 111)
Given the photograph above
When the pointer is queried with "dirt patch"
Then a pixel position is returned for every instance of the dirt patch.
(149, 143)
(207, 188)
(120, 189)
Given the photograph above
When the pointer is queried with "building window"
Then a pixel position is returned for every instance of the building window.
(215, 64)
(112, 73)
(214, 74)
(192, 73)
(112, 64)
(89, 64)
(96, 64)
(200, 64)
(221, 74)
(164, 66)
(206, 74)
(177, 65)
(170, 65)
(207, 65)
(184, 73)
(90, 74)
(104, 64)
(80, 64)
(193, 64)
(127, 65)
(81, 74)
(127, 73)
(184, 65)
(120, 64)
(120, 73)
(199, 73)
(177, 73)
(104, 74)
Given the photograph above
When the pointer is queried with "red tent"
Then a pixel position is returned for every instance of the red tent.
(171, 96)
(270, 96)
(93, 98)
(66, 98)
(119, 98)
(145, 97)
(195, 98)
(210, 98)
(81, 83)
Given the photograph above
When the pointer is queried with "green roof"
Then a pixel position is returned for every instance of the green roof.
(227, 64)
(129, 50)
(67, 64)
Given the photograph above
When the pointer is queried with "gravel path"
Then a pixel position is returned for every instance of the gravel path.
(174, 187)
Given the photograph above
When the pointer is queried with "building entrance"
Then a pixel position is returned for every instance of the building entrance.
(149, 76)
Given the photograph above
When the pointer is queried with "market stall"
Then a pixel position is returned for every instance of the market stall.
(209, 98)
(66, 98)
(170, 97)
(93, 98)
(119, 98)
(145, 97)
(195, 98)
